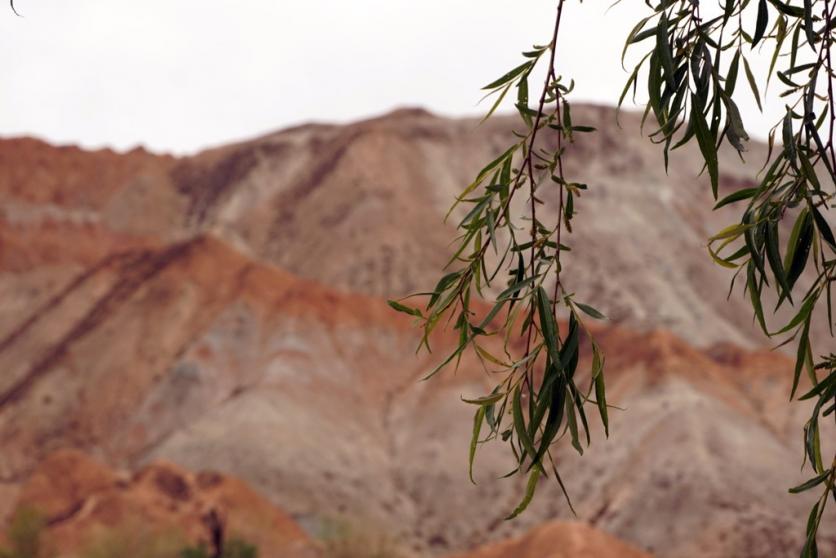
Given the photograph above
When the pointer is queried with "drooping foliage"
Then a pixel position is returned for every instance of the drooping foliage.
(693, 71)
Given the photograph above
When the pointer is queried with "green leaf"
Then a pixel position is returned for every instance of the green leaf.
(496, 103)
(508, 76)
(706, 143)
(600, 388)
(789, 142)
(489, 357)
(731, 232)
(567, 120)
(441, 286)
(760, 25)
(823, 227)
(753, 84)
(516, 287)
(547, 324)
(801, 356)
(405, 309)
(664, 50)
(828, 383)
(773, 256)
(801, 316)
(779, 42)
(630, 81)
(530, 488)
(485, 400)
(810, 550)
(815, 481)
(755, 296)
(573, 425)
(799, 247)
(728, 10)
(478, 418)
(731, 77)
(736, 132)
(786, 9)
(589, 310)
(520, 429)
(743, 194)
(808, 23)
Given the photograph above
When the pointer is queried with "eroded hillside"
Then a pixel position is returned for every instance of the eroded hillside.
(227, 311)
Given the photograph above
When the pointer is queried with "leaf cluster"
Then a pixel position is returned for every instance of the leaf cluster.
(513, 259)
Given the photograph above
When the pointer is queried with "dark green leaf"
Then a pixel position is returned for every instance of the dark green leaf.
(520, 429)
(773, 256)
(808, 23)
(744, 194)
(823, 227)
(760, 26)
(664, 50)
(815, 481)
(547, 324)
(789, 142)
(600, 388)
(706, 143)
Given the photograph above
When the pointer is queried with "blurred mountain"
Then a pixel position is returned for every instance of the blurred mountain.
(227, 311)
(558, 540)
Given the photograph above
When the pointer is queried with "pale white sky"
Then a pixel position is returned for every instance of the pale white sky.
(180, 75)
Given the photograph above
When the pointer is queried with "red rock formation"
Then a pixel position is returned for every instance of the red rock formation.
(143, 317)
(558, 540)
(81, 498)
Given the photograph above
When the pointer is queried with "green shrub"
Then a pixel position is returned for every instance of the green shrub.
(133, 540)
(25, 535)
(234, 548)
(341, 540)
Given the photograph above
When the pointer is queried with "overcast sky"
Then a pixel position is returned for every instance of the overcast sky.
(180, 75)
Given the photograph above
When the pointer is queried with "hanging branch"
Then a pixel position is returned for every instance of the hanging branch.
(537, 397)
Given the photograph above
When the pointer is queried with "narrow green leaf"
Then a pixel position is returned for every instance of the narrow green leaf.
(573, 425)
(801, 356)
(824, 228)
(508, 76)
(793, 11)
(755, 296)
(600, 388)
(589, 310)
(485, 400)
(743, 194)
(478, 418)
(706, 143)
(520, 429)
(731, 76)
(808, 23)
(799, 247)
(773, 256)
(405, 309)
(497, 102)
(787, 133)
(760, 25)
(530, 488)
(664, 50)
(801, 316)
(547, 324)
(815, 481)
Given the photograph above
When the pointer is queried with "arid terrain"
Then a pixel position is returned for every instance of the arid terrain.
(221, 320)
